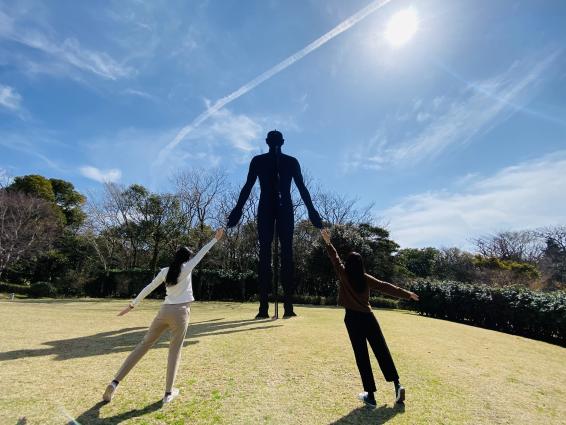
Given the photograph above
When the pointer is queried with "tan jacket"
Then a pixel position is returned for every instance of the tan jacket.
(349, 298)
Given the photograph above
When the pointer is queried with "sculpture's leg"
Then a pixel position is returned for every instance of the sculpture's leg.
(265, 227)
(285, 229)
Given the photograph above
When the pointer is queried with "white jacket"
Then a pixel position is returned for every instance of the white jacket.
(182, 292)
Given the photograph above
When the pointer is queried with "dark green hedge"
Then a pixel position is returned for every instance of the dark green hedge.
(121, 283)
(519, 311)
(13, 288)
(224, 285)
(35, 290)
(377, 302)
(208, 284)
(42, 290)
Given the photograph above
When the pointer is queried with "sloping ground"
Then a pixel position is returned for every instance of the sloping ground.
(56, 358)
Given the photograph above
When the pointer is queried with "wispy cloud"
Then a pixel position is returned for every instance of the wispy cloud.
(226, 140)
(103, 176)
(239, 130)
(30, 145)
(68, 51)
(139, 93)
(221, 103)
(449, 124)
(526, 195)
(234, 137)
(10, 98)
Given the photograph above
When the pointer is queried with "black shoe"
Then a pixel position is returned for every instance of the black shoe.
(370, 402)
(262, 315)
(289, 314)
(399, 394)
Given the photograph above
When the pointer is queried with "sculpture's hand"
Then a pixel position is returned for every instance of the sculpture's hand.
(314, 217)
(234, 217)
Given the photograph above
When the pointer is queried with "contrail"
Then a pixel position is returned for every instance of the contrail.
(221, 103)
(536, 70)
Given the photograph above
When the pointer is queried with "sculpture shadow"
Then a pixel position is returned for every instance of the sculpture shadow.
(92, 415)
(126, 339)
(365, 415)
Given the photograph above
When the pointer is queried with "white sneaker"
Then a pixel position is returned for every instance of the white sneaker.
(365, 398)
(109, 393)
(170, 397)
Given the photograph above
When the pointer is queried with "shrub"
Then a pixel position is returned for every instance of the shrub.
(224, 284)
(71, 284)
(377, 302)
(311, 299)
(520, 311)
(41, 290)
(122, 283)
(381, 302)
(13, 288)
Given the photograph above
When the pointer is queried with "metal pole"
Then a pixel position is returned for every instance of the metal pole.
(276, 271)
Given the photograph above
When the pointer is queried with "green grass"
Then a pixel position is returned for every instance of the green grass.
(56, 358)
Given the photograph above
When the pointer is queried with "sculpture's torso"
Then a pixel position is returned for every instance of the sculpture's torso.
(265, 168)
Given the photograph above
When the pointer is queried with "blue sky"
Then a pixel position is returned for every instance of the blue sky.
(458, 133)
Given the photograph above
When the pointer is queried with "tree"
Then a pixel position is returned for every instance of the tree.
(521, 246)
(199, 192)
(415, 262)
(455, 264)
(134, 223)
(69, 201)
(161, 223)
(553, 261)
(338, 209)
(494, 271)
(59, 193)
(33, 185)
(27, 226)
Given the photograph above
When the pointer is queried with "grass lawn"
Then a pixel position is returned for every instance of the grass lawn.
(56, 358)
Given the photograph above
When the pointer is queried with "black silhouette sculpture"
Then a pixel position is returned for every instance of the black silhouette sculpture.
(275, 214)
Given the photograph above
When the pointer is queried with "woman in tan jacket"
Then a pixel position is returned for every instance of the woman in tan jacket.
(361, 324)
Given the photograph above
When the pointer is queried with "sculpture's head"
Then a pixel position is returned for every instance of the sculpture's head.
(274, 139)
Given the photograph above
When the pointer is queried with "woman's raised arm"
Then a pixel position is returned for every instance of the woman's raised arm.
(332, 253)
(192, 263)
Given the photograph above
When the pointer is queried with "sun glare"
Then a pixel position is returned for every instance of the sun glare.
(402, 26)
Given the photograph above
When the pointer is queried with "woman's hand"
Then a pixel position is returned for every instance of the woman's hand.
(325, 235)
(126, 310)
(219, 234)
(413, 296)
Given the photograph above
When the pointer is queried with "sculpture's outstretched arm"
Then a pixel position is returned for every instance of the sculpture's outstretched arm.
(305, 196)
(236, 213)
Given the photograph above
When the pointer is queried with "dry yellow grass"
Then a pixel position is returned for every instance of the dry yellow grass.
(56, 358)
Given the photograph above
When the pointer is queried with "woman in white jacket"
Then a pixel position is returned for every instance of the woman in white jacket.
(173, 315)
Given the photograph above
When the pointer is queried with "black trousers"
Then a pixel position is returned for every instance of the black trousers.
(362, 327)
(284, 220)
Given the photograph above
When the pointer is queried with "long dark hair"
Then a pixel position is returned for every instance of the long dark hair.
(182, 255)
(355, 271)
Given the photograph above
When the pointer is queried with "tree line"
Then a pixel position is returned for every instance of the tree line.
(111, 243)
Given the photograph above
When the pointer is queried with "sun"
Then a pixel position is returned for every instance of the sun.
(402, 26)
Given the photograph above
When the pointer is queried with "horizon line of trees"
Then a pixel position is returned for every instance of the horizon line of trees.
(49, 232)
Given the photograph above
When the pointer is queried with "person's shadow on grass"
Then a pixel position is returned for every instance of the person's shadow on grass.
(365, 415)
(126, 339)
(92, 415)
